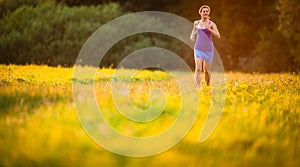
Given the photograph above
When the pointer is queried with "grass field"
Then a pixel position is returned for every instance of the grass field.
(260, 125)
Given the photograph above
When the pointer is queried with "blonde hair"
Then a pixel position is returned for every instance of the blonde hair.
(202, 7)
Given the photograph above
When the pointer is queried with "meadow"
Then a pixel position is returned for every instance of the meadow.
(260, 124)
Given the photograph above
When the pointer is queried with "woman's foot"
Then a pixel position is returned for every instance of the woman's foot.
(199, 88)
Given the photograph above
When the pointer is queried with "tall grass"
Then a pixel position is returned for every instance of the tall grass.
(260, 125)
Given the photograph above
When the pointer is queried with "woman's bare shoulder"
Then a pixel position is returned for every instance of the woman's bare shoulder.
(196, 21)
(212, 22)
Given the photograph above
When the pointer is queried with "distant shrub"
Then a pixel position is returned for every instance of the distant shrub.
(50, 33)
(53, 34)
(8, 6)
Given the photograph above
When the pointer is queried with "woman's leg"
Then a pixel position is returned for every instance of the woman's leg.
(198, 68)
(207, 72)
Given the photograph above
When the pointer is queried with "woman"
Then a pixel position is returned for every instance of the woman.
(204, 48)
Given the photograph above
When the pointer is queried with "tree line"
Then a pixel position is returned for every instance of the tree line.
(259, 35)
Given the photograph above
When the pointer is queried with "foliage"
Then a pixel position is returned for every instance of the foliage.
(56, 36)
(290, 27)
(49, 33)
(135, 42)
(129, 5)
(278, 47)
(9, 6)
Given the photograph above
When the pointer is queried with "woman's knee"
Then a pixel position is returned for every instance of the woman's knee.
(198, 69)
(205, 69)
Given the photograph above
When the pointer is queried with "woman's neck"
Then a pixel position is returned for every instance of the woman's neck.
(204, 19)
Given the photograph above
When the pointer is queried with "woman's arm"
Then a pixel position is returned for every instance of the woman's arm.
(194, 32)
(214, 30)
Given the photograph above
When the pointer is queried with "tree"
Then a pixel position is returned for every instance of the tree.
(50, 33)
(279, 46)
(8, 6)
(289, 25)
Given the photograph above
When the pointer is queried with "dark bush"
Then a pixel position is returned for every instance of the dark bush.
(50, 33)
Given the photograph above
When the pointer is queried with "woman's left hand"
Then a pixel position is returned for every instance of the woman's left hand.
(209, 27)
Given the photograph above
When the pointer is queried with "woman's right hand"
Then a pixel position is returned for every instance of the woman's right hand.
(192, 38)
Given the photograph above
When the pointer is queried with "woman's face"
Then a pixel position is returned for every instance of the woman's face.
(204, 13)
